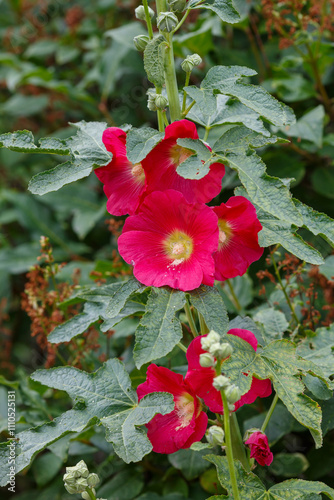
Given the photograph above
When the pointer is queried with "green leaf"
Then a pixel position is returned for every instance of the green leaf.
(87, 151)
(269, 193)
(240, 138)
(327, 269)
(154, 60)
(208, 301)
(22, 141)
(289, 464)
(279, 362)
(323, 181)
(197, 165)
(224, 9)
(320, 349)
(251, 487)
(228, 110)
(125, 485)
(275, 231)
(226, 80)
(309, 127)
(316, 222)
(159, 330)
(121, 295)
(273, 323)
(140, 141)
(105, 396)
(189, 462)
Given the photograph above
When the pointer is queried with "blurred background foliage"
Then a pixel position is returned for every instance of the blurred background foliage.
(63, 61)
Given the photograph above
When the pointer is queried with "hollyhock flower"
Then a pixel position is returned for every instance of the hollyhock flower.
(161, 163)
(238, 238)
(186, 424)
(259, 447)
(123, 182)
(171, 242)
(201, 379)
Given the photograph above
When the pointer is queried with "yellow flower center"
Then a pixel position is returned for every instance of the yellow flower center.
(178, 154)
(225, 232)
(138, 172)
(178, 247)
(185, 407)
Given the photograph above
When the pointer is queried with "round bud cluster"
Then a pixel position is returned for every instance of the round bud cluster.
(190, 62)
(140, 13)
(211, 338)
(233, 393)
(206, 360)
(161, 101)
(77, 479)
(221, 382)
(151, 96)
(140, 42)
(215, 435)
(167, 21)
(177, 5)
(212, 344)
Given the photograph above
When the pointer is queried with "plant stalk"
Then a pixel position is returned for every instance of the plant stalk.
(235, 298)
(229, 452)
(148, 19)
(171, 82)
(91, 494)
(238, 446)
(269, 414)
(190, 319)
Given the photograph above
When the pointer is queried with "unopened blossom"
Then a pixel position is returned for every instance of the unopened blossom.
(171, 241)
(259, 448)
(238, 238)
(161, 163)
(186, 424)
(201, 378)
(123, 181)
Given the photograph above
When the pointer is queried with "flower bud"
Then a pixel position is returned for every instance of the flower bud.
(81, 484)
(167, 21)
(206, 360)
(86, 496)
(187, 65)
(209, 339)
(221, 351)
(71, 489)
(140, 42)
(233, 393)
(177, 5)
(221, 382)
(69, 478)
(195, 59)
(215, 435)
(161, 101)
(78, 470)
(93, 480)
(231, 407)
(151, 95)
(140, 13)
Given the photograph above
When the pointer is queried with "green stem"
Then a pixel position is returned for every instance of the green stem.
(228, 449)
(269, 414)
(206, 135)
(184, 103)
(182, 21)
(148, 19)
(190, 319)
(184, 113)
(239, 451)
(161, 123)
(182, 347)
(171, 82)
(287, 298)
(314, 65)
(161, 6)
(235, 298)
(165, 118)
(91, 494)
(202, 325)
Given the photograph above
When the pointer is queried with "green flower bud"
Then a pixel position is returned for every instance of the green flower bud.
(195, 59)
(78, 470)
(81, 484)
(206, 360)
(69, 478)
(221, 382)
(215, 435)
(233, 394)
(93, 480)
(140, 13)
(151, 100)
(161, 101)
(177, 5)
(211, 338)
(231, 407)
(187, 65)
(167, 21)
(86, 496)
(72, 489)
(140, 42)
(221, 351)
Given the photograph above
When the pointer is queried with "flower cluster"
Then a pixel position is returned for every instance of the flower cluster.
(77, 479)
(187, 423)
(172, 237)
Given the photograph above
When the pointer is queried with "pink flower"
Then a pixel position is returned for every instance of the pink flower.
(161, 163)
(258, 443)
(171, 242)
(238, 238)
(124, 182)
(201, 379)
(186, 424)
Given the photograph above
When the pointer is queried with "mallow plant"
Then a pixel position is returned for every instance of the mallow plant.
(180, 242)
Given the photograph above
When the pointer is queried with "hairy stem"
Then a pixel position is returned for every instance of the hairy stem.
(171, 82)
(234, 297)
(161, 122)
(190, 318)
(91, 494)
(184, 102)
(269, 414)
(239, 451)
(182, 347)
(148, 19)
(229, 452)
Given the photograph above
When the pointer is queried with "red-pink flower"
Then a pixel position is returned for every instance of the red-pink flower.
(259, 447)
(161, 163)
(171, 242)
(238, 238)
(186, 424)
(123, 182)
(201, 379)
